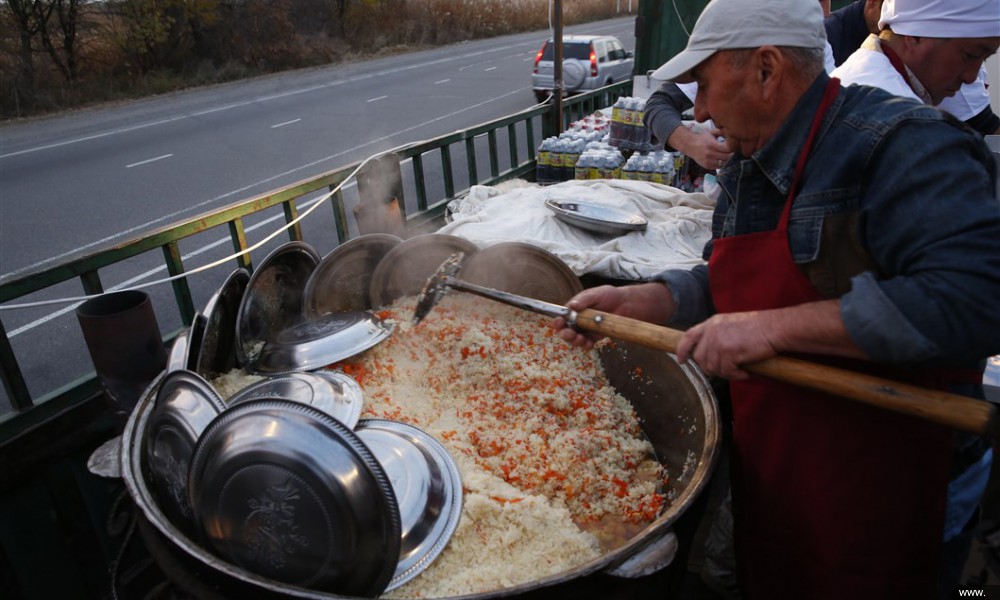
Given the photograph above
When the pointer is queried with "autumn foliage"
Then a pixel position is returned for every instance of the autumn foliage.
(58, 54)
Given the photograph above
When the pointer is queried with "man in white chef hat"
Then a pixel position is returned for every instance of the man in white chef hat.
(926, 49)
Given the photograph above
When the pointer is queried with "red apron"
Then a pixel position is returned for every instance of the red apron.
(831, 498)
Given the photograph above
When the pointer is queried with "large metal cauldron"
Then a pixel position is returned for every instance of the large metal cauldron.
(678, 412)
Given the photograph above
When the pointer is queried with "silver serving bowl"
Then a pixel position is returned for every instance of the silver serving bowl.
(185, 405)
(428, 489)
(286, 491)
(272, 301)
(337, 394)
(316, 343)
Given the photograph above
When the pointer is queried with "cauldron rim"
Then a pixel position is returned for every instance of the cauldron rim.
(662, 526)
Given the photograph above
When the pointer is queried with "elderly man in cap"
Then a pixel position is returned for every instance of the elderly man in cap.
(859, 229)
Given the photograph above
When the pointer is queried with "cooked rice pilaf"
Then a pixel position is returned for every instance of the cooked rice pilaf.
(554, 466)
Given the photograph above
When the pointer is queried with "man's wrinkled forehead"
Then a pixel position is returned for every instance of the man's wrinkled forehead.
(701, 70)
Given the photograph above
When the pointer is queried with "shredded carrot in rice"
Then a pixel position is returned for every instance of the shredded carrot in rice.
(511, 401)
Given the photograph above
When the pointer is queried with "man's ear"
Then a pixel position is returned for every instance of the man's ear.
(769, 62)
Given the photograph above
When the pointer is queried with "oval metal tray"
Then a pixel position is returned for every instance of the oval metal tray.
(522, 269)
(404, 270)
(196, 337)
(337, 394)
(319, 342)
(272, 301)
(177, 358)
(217, 353)
(185, 405)
(342, 280)
(428, 490)
(596, 218)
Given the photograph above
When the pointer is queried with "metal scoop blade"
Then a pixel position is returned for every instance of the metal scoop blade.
(445, 279)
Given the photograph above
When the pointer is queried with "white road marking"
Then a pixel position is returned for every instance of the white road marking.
(287, 93)
(442, 81)
(377, 99)
(285, 123)
(216, 199)
(146, 162)
(489, 69)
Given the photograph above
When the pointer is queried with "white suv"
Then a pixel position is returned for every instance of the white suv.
(589, 62)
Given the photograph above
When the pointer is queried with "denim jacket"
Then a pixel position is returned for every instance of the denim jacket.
(896, 215)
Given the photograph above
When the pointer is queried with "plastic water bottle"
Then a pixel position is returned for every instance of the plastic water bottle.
(617, 121)
(629, 171)
(628, 123)
(646, 167)
(555, 160)
(582, 170)
(543, 163)
(576, 151)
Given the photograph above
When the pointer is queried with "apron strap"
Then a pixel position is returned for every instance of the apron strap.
(829, 95)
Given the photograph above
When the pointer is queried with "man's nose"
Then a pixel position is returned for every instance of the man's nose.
(971, 72)
(701, 113)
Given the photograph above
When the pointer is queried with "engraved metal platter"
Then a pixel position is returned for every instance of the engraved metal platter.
(335, 393)
(289, 493)
(428, 489)
(596, 218)
(185, 405)
(217, 351)
(272, 301)
(404, 270)
(342, 280)
(522, 269)
(316, 343)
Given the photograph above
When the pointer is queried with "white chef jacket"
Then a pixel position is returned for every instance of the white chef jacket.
(869, 66)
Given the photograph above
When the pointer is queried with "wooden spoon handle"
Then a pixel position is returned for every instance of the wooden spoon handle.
(959, 412)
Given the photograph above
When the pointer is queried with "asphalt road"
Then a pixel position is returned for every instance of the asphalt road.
(79, 182)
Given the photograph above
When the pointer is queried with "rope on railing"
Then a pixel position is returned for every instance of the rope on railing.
(221, 261)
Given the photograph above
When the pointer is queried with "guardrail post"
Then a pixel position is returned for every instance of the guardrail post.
(13, 379)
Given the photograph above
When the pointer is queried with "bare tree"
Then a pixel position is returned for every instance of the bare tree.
(24, 14)
(66, 56)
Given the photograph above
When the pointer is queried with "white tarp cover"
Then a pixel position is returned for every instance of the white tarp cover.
(679, 225)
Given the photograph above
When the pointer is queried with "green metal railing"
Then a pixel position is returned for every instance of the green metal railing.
(518, 132)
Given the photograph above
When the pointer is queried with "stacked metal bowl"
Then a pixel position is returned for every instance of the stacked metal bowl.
(283, 481)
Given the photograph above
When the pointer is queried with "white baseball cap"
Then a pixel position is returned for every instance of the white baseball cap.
(735, 24)
(942, 18)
